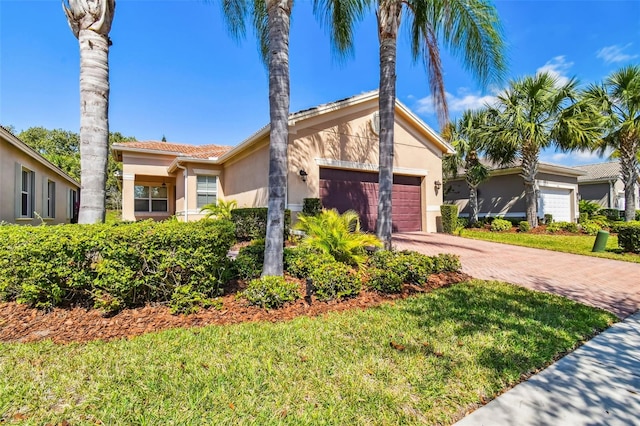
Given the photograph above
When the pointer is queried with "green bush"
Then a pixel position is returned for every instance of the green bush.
(638, 215)
(384, 281)
(186, 300)
(500, 225)
(629, 236)
(445, 262)
(583, 217)
(524, 226)
(562, 226)
(588, 207)
(271, 292)
(251, 223)
(249, 261)
(610, 214)
(413, 267)
(335, 281)
(548, 219)
(300, 261)
(311, 206)
(590, 227)
(449, 213)
(113, 266)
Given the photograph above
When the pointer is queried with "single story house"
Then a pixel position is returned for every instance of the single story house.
(32, 189)
(502, 195)
(601, 183)
(332, 155)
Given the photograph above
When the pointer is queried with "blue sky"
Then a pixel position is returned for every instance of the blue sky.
(175, 71)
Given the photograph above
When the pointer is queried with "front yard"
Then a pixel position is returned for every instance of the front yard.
(425, 359)
(576, 244)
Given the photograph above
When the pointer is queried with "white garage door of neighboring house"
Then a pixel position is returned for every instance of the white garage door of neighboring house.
(557, 202)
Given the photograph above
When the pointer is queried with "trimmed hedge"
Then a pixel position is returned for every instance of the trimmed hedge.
(524, 226)
(301, 261)
(335, 281)
(271, 292)
(629, 236)
(384, 281)
(500, 225)
(562, 226)
(249, 261)
(114, 266)
(251, 223)
(413, 267)
(449, 213)
(311, 206)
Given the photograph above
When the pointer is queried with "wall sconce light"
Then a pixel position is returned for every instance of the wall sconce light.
(303, 175)
(437, 185)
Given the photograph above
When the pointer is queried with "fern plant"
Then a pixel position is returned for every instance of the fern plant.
(338, 235)
(219, 210)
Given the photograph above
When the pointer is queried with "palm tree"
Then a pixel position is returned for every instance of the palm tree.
(470, 29)
(618, 100)
(271, 20)
(534, 113)
(465, 137)
(90, 21)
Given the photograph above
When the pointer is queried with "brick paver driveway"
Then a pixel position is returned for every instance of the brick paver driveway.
(609, 284)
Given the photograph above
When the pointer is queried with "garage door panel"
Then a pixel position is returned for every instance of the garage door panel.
(555, 201)
(344, 190)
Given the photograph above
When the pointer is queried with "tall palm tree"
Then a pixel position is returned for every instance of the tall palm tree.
(464, 134)
(271, 19)
(618, 100)
(469, 28)
(90, 21)
(534, 113)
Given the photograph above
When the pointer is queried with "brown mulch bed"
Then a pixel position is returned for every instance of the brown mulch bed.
(20, 323)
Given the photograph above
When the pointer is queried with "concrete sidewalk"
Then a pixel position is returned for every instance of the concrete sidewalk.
(598, 384)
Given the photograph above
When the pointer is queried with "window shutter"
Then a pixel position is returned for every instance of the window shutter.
(18, 185)
(45, 191)
(68, 203)
(33, 193)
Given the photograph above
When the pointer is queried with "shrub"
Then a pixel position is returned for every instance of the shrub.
(186, 300)
(271, 292)
(384, 281)
(590, 227)
(638, 215)
(629, 236)
(524, 226)
(445, 262)
(338, 235)
(548, 219)
(610, 214)
(113, 266)
(248, 264)
(461, 223)
(562, 226)
(251, 223)
(311, 206)
(500, 225)
(449, 214)
(300, 261)
(583, 217)
(335, 281)
(219, 210)
(588, 207)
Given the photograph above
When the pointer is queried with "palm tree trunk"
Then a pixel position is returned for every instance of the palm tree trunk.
(388, 24)
(473, 204)
(629, 172)
(279, 14)
(529, 172)
(94, 124)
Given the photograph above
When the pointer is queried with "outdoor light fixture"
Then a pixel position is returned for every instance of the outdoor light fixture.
(303, 175)
(437, 185)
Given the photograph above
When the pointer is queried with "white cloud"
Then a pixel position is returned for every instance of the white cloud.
(612, 54)
(558, 68)
(576, 157)
(459, 102)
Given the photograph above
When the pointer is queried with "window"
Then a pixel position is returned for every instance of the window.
(151, 199)
(26, 194)
(207, 190)
(51, 199)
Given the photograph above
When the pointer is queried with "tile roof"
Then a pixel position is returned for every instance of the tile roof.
(599, 172)
(195, 151)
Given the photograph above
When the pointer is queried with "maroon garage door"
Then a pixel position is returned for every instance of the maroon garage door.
(345, 189)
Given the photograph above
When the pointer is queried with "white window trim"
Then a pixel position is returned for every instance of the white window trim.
(207, 192)
(150, 200)
(51, 200)
(29, 193)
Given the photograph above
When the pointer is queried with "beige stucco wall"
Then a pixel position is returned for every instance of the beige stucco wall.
(246, 177)
(9, 156)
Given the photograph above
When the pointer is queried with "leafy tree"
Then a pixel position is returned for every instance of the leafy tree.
(464, 134)
(90, 22)
(534, 113)
(469, 28)
(618, 101)
(271, 19)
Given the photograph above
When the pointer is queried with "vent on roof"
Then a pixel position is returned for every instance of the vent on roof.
(375, 123)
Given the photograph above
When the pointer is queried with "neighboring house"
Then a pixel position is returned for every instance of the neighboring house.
(32, 189)
(502, 195)
(601, 183)
(332, 155)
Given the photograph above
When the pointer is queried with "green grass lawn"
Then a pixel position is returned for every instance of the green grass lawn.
(577, 244)
(458, 344)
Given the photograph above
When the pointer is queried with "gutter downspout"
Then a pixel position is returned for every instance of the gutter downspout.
(611, 195)
(186, 191)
